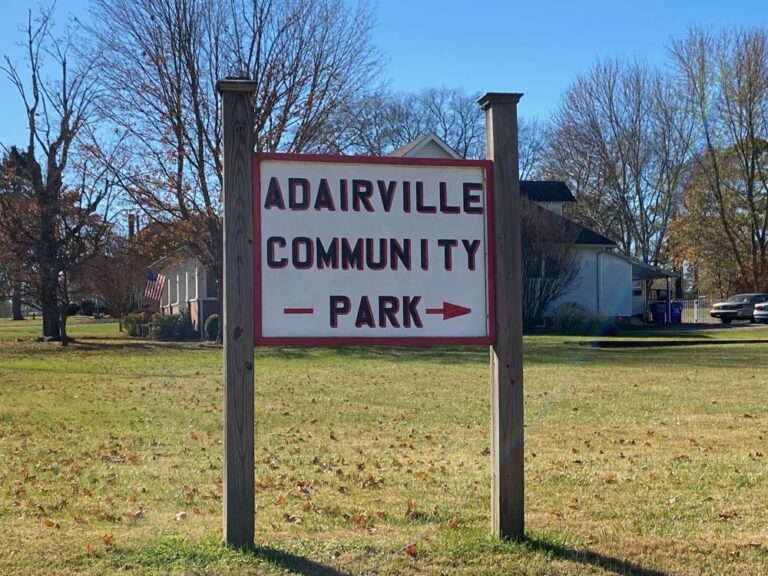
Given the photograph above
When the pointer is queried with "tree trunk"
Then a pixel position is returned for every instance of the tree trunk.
(16, 307)
(49, 305)
(63, 325)
(679, 293)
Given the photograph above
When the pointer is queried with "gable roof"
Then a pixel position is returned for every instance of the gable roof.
(546, 191)
(587, 236)
(583, 236)
(173, 258)
(428, 145)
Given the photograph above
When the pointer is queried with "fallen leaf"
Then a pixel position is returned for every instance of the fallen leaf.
(108, 539)
(410, 512)
(47, 522)
(361, 520)
(411, 550)
(609, 477)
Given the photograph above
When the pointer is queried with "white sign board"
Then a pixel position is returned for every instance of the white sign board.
(358, 250)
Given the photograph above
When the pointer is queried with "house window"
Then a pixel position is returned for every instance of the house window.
(637, 287)
(211, 285)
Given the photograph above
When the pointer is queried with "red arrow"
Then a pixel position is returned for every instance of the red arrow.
(449, 310)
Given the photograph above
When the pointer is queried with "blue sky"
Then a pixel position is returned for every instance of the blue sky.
(536, 47)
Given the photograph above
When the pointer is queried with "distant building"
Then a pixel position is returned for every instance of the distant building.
(609, 283)
(189, 286)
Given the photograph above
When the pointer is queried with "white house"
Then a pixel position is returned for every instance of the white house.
(189, 286)
(609, 283)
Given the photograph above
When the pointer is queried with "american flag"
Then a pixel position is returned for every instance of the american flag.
(155, 284)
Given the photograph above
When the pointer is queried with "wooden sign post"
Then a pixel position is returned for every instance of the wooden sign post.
(238, 139)
(507, 457)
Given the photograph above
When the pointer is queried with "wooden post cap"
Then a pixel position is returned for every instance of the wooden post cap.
(232, 84)
(490, 98)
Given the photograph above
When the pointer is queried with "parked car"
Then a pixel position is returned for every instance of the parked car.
(761, 312)
(737, 307)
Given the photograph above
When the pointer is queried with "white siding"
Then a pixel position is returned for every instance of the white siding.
(616, 286)
(556, 207)
(603, 286)
(429, 150)
(584, 288)
(638, 302)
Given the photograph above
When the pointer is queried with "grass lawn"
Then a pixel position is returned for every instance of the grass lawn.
(643, 461)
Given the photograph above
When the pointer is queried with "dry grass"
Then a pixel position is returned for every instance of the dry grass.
(639, 461)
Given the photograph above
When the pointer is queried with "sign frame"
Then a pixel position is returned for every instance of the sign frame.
(490, 257)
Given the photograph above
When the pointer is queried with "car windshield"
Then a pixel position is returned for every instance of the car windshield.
(739, 298)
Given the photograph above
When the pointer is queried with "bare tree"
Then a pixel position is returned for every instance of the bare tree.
(621, 139)
(725, 80)
(381, 123)
(550, 264)
(160, 60)
(532, 147)
(59, 218)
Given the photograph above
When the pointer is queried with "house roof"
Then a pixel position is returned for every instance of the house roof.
(587, 236)
(583, 236)
(546, 191)
(428, 145)
(643, 271)
(173, 258)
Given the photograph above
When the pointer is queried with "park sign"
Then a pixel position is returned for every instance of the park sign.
(372, 250)
(343, 250)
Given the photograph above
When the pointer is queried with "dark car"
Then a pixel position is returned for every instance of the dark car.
(737, 307)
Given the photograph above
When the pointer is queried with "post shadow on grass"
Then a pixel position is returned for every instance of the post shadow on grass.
(590, 558)
(294, 562)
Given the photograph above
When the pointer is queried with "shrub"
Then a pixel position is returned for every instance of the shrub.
(570, 318)
(73, 308)
(87, 307)
(573, 319)
(211, 327)
(132, 322)
(163, 326)
(184, 329)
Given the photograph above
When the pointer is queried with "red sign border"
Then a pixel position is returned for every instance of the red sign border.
(261, 340)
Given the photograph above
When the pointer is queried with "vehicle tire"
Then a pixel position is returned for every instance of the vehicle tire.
(725, 320)
(752, 320)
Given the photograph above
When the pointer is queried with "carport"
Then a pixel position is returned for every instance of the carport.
(645, 273)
